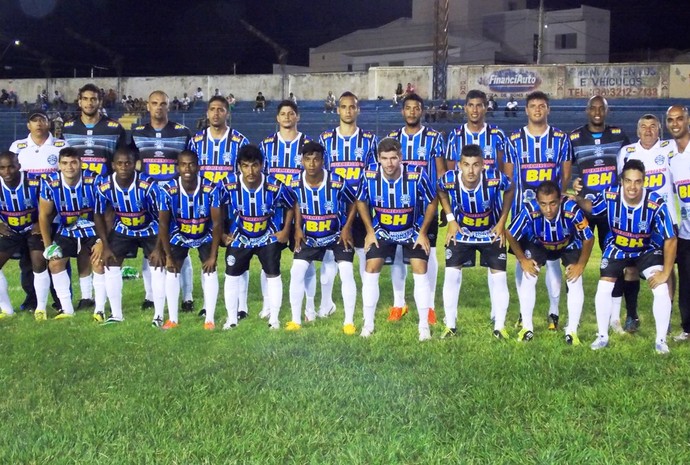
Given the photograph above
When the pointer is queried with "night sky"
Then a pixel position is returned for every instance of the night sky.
(145, 37)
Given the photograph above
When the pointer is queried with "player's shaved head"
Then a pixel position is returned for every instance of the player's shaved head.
(677, 107)
(159, 94)
(7, 155)
(597, 98)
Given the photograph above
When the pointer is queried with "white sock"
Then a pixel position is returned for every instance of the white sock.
(231, 287)
(61, 286)
(113, 289)
(421, 298)
(243, 293)
(452, 283)
(553, 284)
(518, 275)
(5, 304)
(146, 276)
(500, 297)
(297, 275)
(398, 277)
(42, 286)
(187, 279)
(264, 292)
(348, 290)
(99, 292)
(158, 278)
(172, 295)
(491, 293)
(329, 268)
(209, 286)
(432, 276)
(616, 309)
(86, 287)
(362, 255)
(661, 308)
(602, 304)
(370, 298)
(576, 299)
(274, 286)
(528, 296)
(310, 288)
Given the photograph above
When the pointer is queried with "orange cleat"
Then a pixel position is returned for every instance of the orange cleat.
(432, 316)
(170, 325)
(209, 326)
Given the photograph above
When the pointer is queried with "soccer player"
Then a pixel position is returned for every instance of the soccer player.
(478, 201)
(595, 147)
(158, 143)
(323, 216)
(70, 194)
(133, 197)
(255, 200)
(185, 222)
(217, 147)
(95, 137)
(19, 215)
(654, 153)
(539, 152)
(349, 151)
(677, 122)
(421, 147)
(555, 229)
(641, 236)
(396, 204)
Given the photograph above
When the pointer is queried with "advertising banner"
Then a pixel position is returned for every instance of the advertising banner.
(616, 81)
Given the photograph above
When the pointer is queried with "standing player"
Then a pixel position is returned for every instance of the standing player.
(19, 215)
(217, 147)
(158, 143)
(478, 201)
(539, 152)
(421, 147)
(324, 204)
(95, 137)
(595, 147)
(255, 200)
(396, 204)
(185, 222)
(641, 236)
(70, 194)
(555, 229)
(349, 150)
(133, 197)
(677, 123)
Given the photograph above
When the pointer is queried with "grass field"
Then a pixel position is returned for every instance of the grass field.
(76, 392)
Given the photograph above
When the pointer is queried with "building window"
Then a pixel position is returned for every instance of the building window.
(396, 63)
(349, 67)
(566, 41)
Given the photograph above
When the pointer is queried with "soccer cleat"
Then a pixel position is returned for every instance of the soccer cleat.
(187, 306)
(616, 327)
(146, 304)
(448, 333)
(111, 321)
(63, 316)
(229, 325)
(242, 314)
(86, 304)
(157, 323)
(265, 313)
(553, 322)
(662, 348)
(326, 313)
(292, 326)
(424, 334)
(349, 329)
(274, 325)
(40, 315)
(501, 334)
(4, 315)
(599, 343)
(28, 305)
(525, 335)
(309, 316)
(202, 313)
(396, 313)
(99, 317)
(170, 325)
(518, 323)
(683, 336)
(631, 324)
(431, 318)
(209, 326)
(572, 340)
(367, 331)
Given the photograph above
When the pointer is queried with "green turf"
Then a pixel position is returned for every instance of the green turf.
(76, 392)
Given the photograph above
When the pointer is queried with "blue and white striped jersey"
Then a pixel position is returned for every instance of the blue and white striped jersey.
(190, 212)
(491, 139)
(283, 159)
(348, 156)
(421, 150)
(217, 157)
(135, 207)
(74, 205)
(19, 205)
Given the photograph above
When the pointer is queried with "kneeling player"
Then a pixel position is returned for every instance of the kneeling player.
(554, 228)
(476, 224)
(396, 205)
(322, 199)
(19, 213)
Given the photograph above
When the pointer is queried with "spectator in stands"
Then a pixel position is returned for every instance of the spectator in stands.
(458, 111)
(292, 98)
(175, 104)
(490, 106)
(56, 123)
(4, 96)
(199, 95)
(409, 90)
(329, 104)
(12, 99)
(398, 95)
(430, 114)
(442, 112)
(260, 104)
(232, 101)
(511, 108)
(217, 93)
(184, 103)
(58, 102)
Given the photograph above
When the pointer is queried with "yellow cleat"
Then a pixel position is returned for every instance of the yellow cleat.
(40, 315)
(292, 326)
(64, 316)
(4, 315)
(349, 329)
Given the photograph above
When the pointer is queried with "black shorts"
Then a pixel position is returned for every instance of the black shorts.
(541, 255)
(463, 254)
(180, 253)
(311, 254)
(72, 246)
(613, 267)
(601, 224)
(18, 243)
(359, 232)
(126, 246)
(386, 250)
(237, 259)
(432, 232)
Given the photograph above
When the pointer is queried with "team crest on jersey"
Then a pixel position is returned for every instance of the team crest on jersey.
(202, 210)
(528, 195)
(421, 152)
(486, 204)
(52, 159)
(359, 153)
(230, 260)
(488, 151)
(642, 225)
(659, 159)
(328, 205)
(298, 159)
(528, 254)
(304, 206)
(159, 144)
(604, 263)
(598, 152)
(89, 142)
(525, 156)
(449, 254)
(226, 158)
(378, 199)
(550, 153)
(264, 208)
